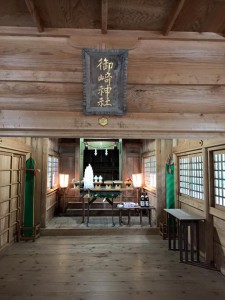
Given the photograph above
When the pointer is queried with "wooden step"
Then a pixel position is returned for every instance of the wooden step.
(98, 212)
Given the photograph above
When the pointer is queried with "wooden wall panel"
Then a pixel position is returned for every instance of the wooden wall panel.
(167, 79)
(131, 159)
(148, 146)
(219, 244)
(175, 98)
(14, 189)
(151, 62)
(39, 96)
(3, 239)
(15, 176)
(16, 163)
(217, 238)
(5, 177)
(4, 193)
(4, 222)
(4, 161)
(51, 203)
(11, 183)
(18, 144)
(4, 208)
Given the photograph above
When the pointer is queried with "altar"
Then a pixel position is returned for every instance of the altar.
(106, 194)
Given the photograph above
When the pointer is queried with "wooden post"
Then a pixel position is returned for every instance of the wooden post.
(81, 158)
(44, 181)
(163, 149)
(207, 167)
(176, 181)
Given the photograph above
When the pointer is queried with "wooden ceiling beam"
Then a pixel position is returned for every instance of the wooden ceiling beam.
(104, 16)
(35, 15)
(174, 17)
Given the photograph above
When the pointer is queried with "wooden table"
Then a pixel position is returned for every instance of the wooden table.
(107, 194)
(128, 209)
(178, 223)
(139, 209)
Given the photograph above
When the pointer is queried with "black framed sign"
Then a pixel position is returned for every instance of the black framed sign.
(104, 81)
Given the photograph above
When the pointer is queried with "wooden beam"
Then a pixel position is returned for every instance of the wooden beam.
(136, 125)
(35, 15)
(78, 36)
(104, 16)
(174, 17)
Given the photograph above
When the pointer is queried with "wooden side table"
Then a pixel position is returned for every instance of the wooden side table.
(179, 223)
(140, 211)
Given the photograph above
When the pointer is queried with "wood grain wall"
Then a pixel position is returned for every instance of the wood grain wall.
(175, 88)
(212, 237)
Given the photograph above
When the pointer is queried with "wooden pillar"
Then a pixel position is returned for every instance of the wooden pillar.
(207, 200)
(40, 192)
(44, 171)
(163, 149)
(120, 147)
(176, 181)
(77, 161)
(81, 158)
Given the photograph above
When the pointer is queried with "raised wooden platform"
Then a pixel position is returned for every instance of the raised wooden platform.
(98, 231)
(73, 226)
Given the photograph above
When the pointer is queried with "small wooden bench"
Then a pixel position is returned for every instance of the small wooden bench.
(139, 210)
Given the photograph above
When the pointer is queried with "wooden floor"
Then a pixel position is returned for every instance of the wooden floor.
(103, 268)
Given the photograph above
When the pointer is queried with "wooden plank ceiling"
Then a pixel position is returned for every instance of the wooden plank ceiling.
(151, 15)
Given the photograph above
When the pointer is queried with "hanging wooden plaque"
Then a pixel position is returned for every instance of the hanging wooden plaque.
(104, 81)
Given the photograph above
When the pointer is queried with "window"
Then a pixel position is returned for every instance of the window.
(53, 173)
(219, 177)
(150, 171)
(191, 176)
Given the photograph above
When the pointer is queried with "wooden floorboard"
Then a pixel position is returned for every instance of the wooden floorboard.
(103, 267)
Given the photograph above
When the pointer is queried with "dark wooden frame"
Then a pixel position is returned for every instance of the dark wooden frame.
(119, 57)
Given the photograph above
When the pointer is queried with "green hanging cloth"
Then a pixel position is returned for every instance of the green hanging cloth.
(29, 196)
(170, 194)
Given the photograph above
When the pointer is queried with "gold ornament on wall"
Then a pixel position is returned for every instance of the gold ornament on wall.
(103, 121)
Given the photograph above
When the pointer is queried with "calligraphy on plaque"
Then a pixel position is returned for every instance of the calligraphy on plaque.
(104, 81)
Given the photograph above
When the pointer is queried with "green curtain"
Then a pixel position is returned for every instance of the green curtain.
(170, 194)
(29, 196)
